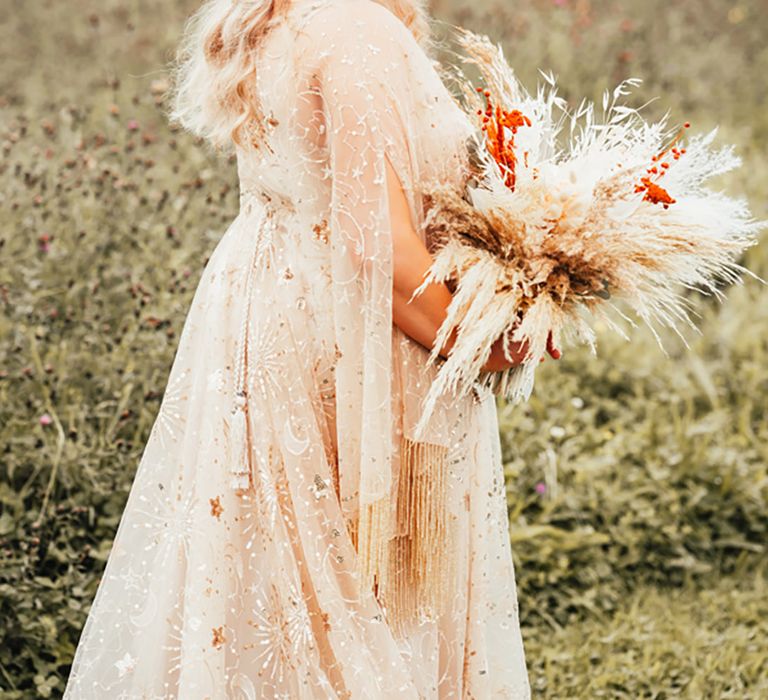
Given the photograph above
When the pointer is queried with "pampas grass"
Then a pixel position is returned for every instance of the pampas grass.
(546, 237)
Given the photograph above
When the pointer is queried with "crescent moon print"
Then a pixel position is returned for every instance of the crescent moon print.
(295, 444)
(243, 688)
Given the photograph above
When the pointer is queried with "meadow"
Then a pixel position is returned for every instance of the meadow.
(637, 480)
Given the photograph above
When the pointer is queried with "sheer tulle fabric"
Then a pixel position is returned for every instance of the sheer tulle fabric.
(273, 582)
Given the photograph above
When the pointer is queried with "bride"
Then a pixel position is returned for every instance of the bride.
(287, 535)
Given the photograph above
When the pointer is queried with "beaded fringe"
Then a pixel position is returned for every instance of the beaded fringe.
(413, 569)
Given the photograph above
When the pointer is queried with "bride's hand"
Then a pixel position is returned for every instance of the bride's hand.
(497, 362)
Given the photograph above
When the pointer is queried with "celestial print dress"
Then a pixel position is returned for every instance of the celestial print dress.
(287, 534)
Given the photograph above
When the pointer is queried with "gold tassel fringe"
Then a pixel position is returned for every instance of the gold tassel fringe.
(412, 570)
(372, 537)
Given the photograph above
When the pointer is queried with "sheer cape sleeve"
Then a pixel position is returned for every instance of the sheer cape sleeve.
(381, 101)
(369, 106)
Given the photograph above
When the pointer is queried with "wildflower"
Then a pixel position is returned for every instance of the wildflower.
(557, 431)
(45, 419)
(44, 242)
(541, 488)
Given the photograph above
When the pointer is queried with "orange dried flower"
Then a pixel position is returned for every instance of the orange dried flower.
(500, 127)
(654, 192)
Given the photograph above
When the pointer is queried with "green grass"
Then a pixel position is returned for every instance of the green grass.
(641, 567)
(705, 644)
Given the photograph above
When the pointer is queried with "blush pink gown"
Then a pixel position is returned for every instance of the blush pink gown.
(230, 584)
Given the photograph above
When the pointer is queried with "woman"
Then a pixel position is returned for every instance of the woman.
(287, 535)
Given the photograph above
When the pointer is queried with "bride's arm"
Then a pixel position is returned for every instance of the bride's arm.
(421, 318)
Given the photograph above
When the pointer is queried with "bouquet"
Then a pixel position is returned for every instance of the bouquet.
(548, 237)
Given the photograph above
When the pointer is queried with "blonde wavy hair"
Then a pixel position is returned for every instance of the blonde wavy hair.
(213, 75)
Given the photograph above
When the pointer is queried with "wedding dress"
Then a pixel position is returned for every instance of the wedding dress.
(289, 412)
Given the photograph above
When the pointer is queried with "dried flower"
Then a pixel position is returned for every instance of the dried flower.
(654, 192)
(500, 127)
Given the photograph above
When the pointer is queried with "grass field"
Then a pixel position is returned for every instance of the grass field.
(637, 482)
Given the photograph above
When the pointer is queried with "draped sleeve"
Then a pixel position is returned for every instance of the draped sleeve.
(368, 104)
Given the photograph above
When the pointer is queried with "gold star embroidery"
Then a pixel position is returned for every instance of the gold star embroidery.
(218, 636)
(216, 509)
(326, 624)
(321, 231)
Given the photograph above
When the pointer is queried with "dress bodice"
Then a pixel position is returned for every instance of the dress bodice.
(291, 168)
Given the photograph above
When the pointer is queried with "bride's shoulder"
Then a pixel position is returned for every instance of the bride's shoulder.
(350, 20)
(353, 10)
